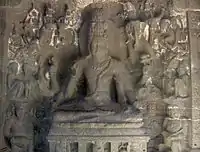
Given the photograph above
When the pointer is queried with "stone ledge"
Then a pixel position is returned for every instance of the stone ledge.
(96, 117)
(58, 131)
(99, 125)
(98, 138)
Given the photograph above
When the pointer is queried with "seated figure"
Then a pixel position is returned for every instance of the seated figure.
(106, 59)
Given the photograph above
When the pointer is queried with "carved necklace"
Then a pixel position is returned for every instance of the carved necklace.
(101, 70)
(99, 65)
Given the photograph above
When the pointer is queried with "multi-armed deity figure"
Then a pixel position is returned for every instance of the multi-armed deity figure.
(106, 57)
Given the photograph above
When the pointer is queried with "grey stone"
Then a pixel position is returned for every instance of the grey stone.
(100, 73)
(181, 89)
(9, 2)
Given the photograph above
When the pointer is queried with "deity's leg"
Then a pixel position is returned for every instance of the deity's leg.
(102, 94)
(16, 149)
(54, 83)
(124, 79)
(18, 145)
(121, 97)
(176, 146)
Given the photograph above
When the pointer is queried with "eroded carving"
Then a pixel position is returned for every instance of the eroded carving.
(176, 129)
(98, 60)
(104, 58)
(15, 83)
(18, 128)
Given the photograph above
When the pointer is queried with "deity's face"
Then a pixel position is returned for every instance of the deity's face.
(20, 111)
(175, 112)
(153, 6)
(149, 5)
(164, 25)
(33, 17)
(52, 60)
(174, 24)
(11, 111)
(29, 69)
(13, 68)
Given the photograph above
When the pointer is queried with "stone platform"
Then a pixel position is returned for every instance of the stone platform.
(97, 137)
(98, 116)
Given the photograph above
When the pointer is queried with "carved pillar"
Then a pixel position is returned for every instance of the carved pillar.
(61, 146)
(52, 146)
(194, 33)
(82, 146)
(2, 53)
(2, 34)
(114, 146)
(99, 146)
(139, 146)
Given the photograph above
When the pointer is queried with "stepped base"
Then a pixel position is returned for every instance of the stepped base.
(97, 137)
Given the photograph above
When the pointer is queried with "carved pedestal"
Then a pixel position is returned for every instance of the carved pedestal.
(97, 137)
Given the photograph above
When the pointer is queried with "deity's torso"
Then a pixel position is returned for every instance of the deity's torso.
(23, 128)
(173, 125)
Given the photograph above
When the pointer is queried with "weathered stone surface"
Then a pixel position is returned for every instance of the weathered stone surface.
(181, 89)
(193, 20)
(82, 62)
(2, 58)
(193, 4)
(2, 46)
(181, 4)
(9, 2)
(100, 137)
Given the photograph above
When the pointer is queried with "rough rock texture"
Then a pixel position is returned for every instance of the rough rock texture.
(129, 69)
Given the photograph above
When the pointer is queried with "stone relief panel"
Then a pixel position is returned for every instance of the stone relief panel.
(193, 20)
(99, 62)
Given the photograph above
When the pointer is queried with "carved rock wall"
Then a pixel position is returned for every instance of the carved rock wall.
(2, 78)
(178, 63)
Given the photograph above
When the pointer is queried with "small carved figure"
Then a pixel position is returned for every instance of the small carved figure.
(169, 45)
(15, 81)
(73, 21)
(169, 32)
(32, 25)
(48, 76)
(176, 128)
(66, 37)
(30, 77)
(48, 38)
(53, 74)
(49, 14)
(16, 42)
(60, 11)
(19, 129)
